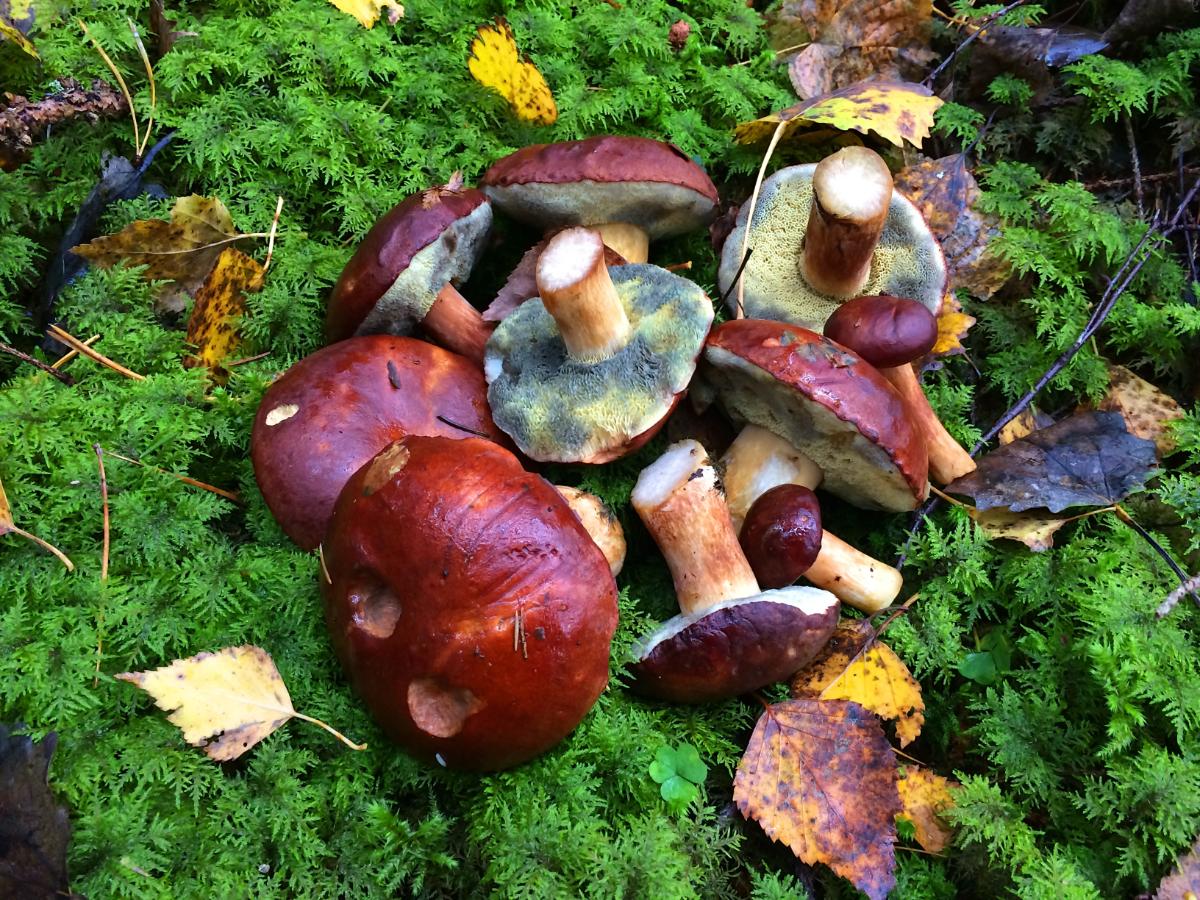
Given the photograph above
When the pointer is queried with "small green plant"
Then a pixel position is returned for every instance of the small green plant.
(680, 774)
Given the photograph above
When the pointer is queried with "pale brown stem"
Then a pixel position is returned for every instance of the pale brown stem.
(854, 577)
(679, 499)
(631, 241)
(759, 460)
(852, 190)
(947, 460)
(577, 291)
(456, 325)
(75, 344)
(602, 526)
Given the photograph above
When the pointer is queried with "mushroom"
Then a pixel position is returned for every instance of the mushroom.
(589, 372)
(335, 409)
(824, 401)
(403, 273)
(756, 466)
(730, 637)
(825, 232)
(890, 333)
(600, 523)
(632, 189)
(467, 604)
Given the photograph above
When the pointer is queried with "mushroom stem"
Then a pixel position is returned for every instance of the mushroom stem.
(758, 460)
(947, 459)
(852, 576)
(679, 499)
(602, 526)
(852, 190)
(456, 325)
(577, 291)
(631, 241)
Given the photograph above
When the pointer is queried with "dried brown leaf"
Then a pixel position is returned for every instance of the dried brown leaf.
(1184, 882)
(35, 829)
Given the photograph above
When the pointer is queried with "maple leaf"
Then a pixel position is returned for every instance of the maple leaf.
(1147, 411)
(496, 63)
(851, 40)
(34, 829)
(946, 193)
(225, 702)
(924, 796)
(8, 526)
(897, 111)
(367, 11)
(1184, 882)
(220, 301)
(875, 678)
(820, 778)
(1088, 459)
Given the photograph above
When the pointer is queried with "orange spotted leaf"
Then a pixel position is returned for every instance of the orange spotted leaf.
(925, 796)
(496, 63)
(220, 303)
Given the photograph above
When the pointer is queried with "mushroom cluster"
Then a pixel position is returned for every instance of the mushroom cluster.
(471, 602)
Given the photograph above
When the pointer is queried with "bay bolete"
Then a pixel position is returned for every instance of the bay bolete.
(730, 637)
(631, 189)
(467, 604)
(335, 409)
(404, 272)
(590, 370)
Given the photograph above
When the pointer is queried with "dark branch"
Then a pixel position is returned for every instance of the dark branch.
(25, 357)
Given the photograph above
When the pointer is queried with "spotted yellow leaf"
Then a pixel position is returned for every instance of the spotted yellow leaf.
(925, 796)
(1033, 528)
(495, 62)
(952, 328)
(220, 302)
(10, 32)
(367, 11)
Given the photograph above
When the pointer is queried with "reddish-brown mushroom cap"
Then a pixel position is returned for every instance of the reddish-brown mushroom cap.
(334, 410)
(781, 536)
(826, 402)
(468, 605)
(886, 331)
(393, 279)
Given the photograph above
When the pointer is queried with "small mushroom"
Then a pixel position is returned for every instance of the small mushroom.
(600, 523)
(631, 189)
(826, 232)
(335, 409)
(781, 536)
(589, 372)
(730, 637)
(467, 604)
(403, 273)
(890, 333)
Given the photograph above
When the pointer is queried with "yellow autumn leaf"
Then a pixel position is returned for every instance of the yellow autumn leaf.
(1023, 424)
(1035, 529)
(12, 33)
(875, 679)
(225, 702)
(924, 796)
(367, 11)
(952, 327)
(897, 111)
(220, 301)
(1147, 411)
(496, 63)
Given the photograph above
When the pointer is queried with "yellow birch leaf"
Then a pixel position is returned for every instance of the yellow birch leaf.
(367, 11)
(1034, 529)
(875, 679)
(220, 302)
(924, 796)
(12, 33)
(225, 702)
(496, 63)
(952, 328)
(1025, 424)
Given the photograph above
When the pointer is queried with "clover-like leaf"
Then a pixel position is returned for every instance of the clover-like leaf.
(679, 771)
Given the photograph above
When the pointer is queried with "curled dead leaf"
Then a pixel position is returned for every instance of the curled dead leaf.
(925, 796)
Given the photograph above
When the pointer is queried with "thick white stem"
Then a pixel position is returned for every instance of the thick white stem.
(852, 576)
(759, 460)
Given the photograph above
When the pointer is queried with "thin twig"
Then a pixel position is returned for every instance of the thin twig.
(25, 357)
(248, 359)
(221, 492)
(137, 143)
(103, 562)
(454, 424)
(271, 235)
(762, 172)
(153, 93)
(1138, 191)
(1146, 179)
(737, 275)
(1158, 548)
(73, 342)
(71, 354)
(981, 28)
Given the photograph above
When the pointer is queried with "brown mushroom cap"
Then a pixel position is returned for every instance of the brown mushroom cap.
(886, 331)
(826, 402)
(468, 605)
(603, 179)
(391, 282)
(781, 536)
(332, 411)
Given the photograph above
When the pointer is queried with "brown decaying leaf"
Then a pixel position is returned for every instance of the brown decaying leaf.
(22, 122)
(874, 678)
(946, 193)
(820, 778)
(220, 301)
(1147, 411)
(852, 40)
(163, 28)
(1184, 882)
(1032, 528)
(925, 796)
(34, 828)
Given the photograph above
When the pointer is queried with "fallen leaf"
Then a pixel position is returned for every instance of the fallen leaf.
(1030, 54)
(852, 40)
(21, 13)
(163, 29)
(9, 526)
(876, 679)
(946, 193)
(1088, 459)
(924, 796)
(1146, 18)
(1146, 409)
(11, 32)
(896, 111)
(952, 327)
(820, 778)
(1184, 882)
(225, 702)
(1032, 528)
(1027, 421)
(496, 63)
(34, 829)
(220, 301)
(367, 11)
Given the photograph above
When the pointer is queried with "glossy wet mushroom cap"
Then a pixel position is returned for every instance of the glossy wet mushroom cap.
(886, 331)
(781, 536)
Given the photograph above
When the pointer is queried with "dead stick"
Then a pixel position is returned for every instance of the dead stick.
(221, 492)
(75, 344)
(25, 357)
(71, 354)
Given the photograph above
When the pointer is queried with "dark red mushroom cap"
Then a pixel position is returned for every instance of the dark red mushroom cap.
(886, 331)
(827, 402)
(638, 180)
(429, 239)
(735, 647)
(332, 411)
(781, 535)
(467, 603)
